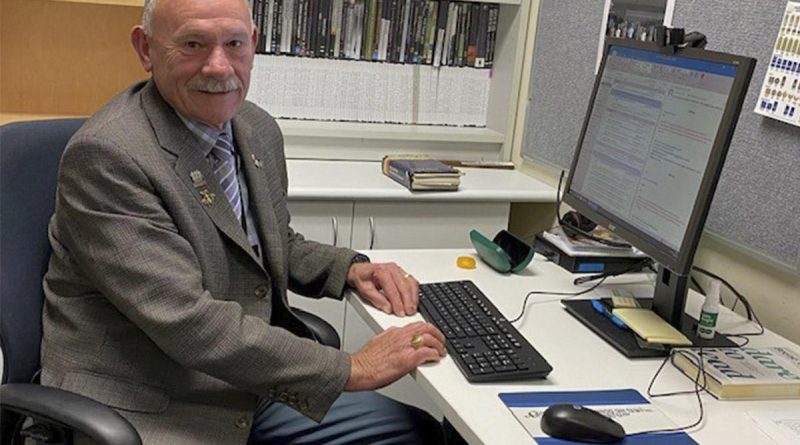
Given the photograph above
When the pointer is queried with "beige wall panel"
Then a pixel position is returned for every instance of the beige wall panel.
(64, 58)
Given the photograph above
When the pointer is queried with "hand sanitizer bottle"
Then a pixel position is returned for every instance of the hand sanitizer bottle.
(709, 312)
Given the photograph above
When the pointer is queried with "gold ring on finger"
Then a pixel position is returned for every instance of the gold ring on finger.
(416, 341)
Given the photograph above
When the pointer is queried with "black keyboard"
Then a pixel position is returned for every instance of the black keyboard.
(484, 345)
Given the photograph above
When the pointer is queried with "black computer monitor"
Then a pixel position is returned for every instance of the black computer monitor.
(653, 143)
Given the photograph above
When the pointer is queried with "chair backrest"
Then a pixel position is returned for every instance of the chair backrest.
(29, 156)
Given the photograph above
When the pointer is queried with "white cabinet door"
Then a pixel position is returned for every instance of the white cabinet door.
(328, 222)
(425, 225)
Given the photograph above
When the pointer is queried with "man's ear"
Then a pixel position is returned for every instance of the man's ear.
(142, 47)
(254, 38)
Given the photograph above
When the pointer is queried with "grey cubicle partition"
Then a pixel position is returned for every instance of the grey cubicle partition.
(757, 204)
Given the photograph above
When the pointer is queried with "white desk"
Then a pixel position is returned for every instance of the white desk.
(580, 359)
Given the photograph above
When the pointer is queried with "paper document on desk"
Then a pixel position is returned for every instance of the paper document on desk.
(782, 426)
(626, 406)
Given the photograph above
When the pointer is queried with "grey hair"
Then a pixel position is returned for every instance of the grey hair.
(147, 16)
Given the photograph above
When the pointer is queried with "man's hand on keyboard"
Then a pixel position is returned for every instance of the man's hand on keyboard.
(392, 354)
(386, 286)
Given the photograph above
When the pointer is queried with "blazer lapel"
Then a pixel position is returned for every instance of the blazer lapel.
(193, 168)
(260, 197)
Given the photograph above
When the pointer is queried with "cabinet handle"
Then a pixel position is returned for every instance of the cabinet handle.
(371, 232)
(335, 224)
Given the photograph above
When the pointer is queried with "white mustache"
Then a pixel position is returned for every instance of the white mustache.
(210, 85)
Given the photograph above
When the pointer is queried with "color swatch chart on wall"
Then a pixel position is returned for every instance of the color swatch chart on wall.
(780, 93)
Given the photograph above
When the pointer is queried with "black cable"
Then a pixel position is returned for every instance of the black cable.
(698, 361)
(697, 390)
(751, 314)
(699, 287)
(16, 437)
(574, 228)
(744, 337)
(644, 263)
(558, 199)
(748, 307)
(567, 294)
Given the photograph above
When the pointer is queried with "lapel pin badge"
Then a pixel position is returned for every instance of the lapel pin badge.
(197, 179)
(256, 161)
(206, 197)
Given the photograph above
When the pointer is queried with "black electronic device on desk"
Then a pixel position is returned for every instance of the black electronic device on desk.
(650, 153)
(484, 345)
(604, 260)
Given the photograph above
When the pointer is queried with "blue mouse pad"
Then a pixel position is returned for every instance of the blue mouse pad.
(626, 406)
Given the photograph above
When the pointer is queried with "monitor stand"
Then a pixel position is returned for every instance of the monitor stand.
(628, 343)
(669, 300)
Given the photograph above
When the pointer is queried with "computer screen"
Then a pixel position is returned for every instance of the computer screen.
(652, 148)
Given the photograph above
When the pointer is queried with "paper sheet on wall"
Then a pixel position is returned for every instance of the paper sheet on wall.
(783, 426)
(780, 93)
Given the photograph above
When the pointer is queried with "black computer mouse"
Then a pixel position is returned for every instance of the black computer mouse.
(574, 422)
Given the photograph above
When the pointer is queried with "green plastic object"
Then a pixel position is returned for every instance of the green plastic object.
(506, 253)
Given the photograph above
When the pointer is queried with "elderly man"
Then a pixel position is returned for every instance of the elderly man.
(172, 255)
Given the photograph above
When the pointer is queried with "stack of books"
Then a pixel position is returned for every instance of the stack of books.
(421, 172)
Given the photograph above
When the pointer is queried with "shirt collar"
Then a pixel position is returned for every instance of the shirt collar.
(208, 135)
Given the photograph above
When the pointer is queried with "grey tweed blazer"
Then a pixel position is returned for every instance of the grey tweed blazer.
(156, 304)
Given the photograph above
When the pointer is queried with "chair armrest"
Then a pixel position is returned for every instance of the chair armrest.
(322, 330)
(78, 413)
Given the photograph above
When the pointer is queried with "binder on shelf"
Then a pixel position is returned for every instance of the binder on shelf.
(258, 22)
(483, 31)
(491, 34)
(274, 27)
(472, 33)
(369, 29)
(421, 172)
(403, 39)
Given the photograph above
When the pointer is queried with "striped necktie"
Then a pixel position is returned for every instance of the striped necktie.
(225, 169)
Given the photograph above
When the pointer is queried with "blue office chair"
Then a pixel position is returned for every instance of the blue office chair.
(29, 157)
